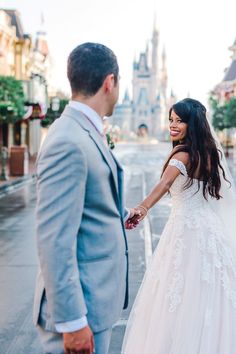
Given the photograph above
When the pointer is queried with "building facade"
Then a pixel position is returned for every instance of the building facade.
(227, 87)
(28, 60)
(149, 103)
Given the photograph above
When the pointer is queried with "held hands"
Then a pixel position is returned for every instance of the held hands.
(79, 342)
(136, 215)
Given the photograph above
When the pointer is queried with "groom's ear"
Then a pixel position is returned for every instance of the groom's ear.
(109, 83)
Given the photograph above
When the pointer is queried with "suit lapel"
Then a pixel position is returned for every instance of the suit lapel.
(120, 173)
(81, 119)
(116, 161)
(106, 154)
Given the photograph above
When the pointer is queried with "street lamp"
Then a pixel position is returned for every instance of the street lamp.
(6, 110)
(4, 156)
(55, 105)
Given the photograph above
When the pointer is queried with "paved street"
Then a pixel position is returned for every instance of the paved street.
(18, 261)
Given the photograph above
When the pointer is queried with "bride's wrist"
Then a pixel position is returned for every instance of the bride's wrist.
(143, 208)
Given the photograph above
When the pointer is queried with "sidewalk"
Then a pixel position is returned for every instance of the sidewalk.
(14, 182)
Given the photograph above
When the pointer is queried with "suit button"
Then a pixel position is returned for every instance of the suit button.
(126, 252)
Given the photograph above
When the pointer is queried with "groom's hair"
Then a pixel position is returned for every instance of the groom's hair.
(88, 66)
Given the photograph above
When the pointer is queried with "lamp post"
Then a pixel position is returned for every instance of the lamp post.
(4, 157)
(55, 105)
(227, 136)
(6, 110)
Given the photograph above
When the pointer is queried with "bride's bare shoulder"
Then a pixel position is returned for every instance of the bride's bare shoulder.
(181, 156)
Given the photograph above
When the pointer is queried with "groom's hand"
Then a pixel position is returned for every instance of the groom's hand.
(79, 342)
(133, 219)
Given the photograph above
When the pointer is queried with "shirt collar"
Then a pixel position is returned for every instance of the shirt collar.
(89, 112)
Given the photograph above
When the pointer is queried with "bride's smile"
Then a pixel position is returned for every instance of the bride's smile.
(178, 129)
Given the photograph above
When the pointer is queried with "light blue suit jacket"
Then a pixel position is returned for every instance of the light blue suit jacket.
(81, 238)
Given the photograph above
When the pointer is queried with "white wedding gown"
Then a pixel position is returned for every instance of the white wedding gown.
(187, 301)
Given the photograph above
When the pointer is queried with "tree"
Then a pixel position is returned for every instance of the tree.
(219, 120)
(11, 101)
(54, 114)
(231, 112)
(224, 118)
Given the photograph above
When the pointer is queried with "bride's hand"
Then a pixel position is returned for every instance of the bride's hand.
(137, 214)
(133, 220)
(143, 211)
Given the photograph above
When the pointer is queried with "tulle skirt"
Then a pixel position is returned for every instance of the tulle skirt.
(187, 301)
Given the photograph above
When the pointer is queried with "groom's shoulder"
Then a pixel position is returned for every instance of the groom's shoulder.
(66, 127)
(65, 131)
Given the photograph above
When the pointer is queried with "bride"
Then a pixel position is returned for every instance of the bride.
(187, 300)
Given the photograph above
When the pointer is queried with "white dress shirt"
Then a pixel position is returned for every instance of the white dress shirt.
(90, 113)
(96, 120)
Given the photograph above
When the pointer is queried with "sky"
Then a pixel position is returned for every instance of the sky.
(196, 36)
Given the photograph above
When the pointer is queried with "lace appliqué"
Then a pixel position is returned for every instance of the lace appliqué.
(191, 212)
(217, 256)
(179, 164)
(174, 293)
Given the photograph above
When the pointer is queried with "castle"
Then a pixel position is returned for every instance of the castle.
(149, 104)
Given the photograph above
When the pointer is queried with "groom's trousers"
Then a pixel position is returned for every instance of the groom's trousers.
(53, 343)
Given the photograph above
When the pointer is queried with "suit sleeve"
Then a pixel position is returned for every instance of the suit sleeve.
(62, 174)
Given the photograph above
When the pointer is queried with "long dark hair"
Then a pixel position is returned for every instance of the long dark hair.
(201, 147)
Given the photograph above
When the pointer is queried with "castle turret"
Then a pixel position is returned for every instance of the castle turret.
(149, 92)
(230, 74)
(164, 76)
(155, 41)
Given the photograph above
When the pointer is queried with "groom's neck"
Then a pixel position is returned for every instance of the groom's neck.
(95, 102)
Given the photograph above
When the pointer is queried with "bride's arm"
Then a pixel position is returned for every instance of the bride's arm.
(163, 186)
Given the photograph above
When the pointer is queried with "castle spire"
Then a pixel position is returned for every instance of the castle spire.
(155, 22)
(155, 40)
(126, 98)
(41, 43)
(154, 62)
(233, 49)
(164, 76)
(230, 74)
(42, 30)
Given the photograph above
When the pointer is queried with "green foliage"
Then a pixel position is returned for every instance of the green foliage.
(224, 116)
(52, 115)
(231, 112)
(11, 99)
(110, 141)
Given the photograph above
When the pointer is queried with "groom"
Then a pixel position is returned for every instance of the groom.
(82, 283)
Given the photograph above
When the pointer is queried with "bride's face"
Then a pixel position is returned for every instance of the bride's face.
(178, 129)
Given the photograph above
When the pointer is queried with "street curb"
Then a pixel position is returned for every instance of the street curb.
(11, 186)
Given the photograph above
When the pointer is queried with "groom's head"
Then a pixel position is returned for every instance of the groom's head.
(93, 70)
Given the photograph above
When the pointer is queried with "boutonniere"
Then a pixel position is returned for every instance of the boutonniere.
(110, 141)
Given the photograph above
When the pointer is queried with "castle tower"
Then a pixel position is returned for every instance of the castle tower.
(228, 84)
(233, 49)
(230, 74)
(155, 68)
(164, 75)
(41, 49)
(149, 92)
(141, 92)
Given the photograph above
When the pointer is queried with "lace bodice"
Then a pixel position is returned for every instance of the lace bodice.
(190, 198)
